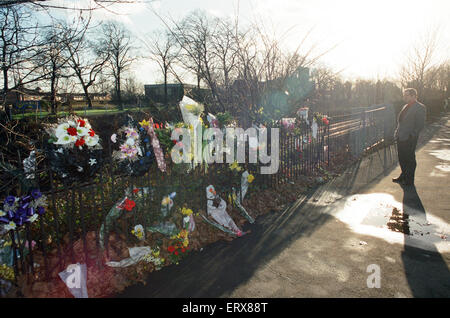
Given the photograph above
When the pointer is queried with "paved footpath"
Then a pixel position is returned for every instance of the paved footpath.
(324, 244)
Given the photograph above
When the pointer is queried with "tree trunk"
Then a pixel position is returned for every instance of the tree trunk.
(119, 96)
(165, 88)
(87, 96)
(53, 94)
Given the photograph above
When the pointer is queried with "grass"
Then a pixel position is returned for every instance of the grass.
(107, 109)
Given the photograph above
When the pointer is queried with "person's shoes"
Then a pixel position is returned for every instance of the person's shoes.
(398, 180)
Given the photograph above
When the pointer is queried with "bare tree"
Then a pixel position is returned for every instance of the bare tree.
(87, 58)
(164, 52)
(19, 49)
(117, 42)
(46, 4)
(419, 69)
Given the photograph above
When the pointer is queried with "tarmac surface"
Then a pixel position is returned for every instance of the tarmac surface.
(359, 235)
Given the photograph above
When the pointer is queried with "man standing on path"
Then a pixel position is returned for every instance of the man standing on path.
(410, 122)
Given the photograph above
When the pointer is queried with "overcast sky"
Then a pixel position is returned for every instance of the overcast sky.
(371, 37)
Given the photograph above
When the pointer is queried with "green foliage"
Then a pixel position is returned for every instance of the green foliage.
(224, 118)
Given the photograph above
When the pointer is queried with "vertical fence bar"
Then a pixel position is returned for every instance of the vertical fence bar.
(14, 249)
(55, 216)
(83, 226)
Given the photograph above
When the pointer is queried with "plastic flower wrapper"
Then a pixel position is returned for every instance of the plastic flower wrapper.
(218, 212)
(138, 254)
(188, 219)
(139, 232)
(135, 152)
(29, 165)
(246, 178)
(159, 155)
(213, 122)
(167, 204)
(191, 111)
(132, 199)
(166, 228)
(314, 128)
(73, 149)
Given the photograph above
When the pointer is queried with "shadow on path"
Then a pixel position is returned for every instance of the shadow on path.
(221, 267)
(426, 271)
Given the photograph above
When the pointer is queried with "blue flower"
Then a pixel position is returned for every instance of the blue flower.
(10, 199)
(141, 161)
(148, 153)
(40, 210)
(146, 139)
(36, 194)
(141, 129)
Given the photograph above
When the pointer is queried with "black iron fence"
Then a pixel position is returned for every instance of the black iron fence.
(69, 231)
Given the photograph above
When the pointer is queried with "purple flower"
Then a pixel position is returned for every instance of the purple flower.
(40, 210)
(10, 214)
(10, 199)
(30, 211)
(4, 220)
(36, 194)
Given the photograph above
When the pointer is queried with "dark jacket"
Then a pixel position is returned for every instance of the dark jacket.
(412, 123)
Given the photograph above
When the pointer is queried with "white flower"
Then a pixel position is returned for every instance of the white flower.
(114, 138)
(130, 142)
(33, 218)
(64, 140)
(10, 226)
(138, 231)
(80, 169)
(92, 161)
(92, 141)
(82, 131)
(61, 130)
(2, 213)
(71, 123)
(186, 219)
(60, 150)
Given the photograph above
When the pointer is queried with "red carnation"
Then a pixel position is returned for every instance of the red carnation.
(135, 190)
(176, 252)
(183, 250)
(129, 205)
(72, 131)
(171, 249)
(80, 142)
(81, 122)
(91, 132)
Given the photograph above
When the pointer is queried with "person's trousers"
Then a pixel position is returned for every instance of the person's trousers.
(407, 158)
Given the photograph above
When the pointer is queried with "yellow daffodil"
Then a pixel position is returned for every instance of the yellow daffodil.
(144, 123)
(235, 166)
(185, 211)
(250, 178)
(166, 200)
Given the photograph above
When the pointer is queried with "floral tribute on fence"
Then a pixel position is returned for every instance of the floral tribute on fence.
(18, 211)
(135, 153)
(73, 149)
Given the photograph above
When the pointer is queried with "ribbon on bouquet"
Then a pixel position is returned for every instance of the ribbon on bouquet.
(156, 146)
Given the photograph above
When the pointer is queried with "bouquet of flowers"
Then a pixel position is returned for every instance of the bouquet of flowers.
(135, 153)
(21, 210)
(73, 149)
